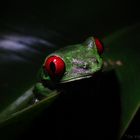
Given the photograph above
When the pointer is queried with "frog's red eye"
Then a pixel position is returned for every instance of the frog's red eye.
(54, 66)
(99, 45)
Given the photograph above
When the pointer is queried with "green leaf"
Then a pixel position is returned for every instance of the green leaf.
(21, 55)
(122, 49)
(12, 115)
(15, 124)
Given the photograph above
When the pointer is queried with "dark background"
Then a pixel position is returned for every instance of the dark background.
(66, 22)
(72, 18)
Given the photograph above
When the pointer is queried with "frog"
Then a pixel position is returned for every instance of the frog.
(69, 64)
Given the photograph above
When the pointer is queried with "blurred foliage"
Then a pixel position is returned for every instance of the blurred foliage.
(30, 31)
(124, 49)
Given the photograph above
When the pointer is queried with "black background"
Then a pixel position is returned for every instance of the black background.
(73, 18)
(73, 21)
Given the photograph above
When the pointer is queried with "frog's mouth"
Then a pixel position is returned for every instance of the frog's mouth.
(53, 84)
(78, 78)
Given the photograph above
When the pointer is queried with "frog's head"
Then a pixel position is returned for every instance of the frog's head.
(73, 62)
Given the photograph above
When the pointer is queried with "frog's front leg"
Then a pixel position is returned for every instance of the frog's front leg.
(40, 92)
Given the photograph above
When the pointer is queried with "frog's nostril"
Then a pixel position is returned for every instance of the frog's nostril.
(85, 65)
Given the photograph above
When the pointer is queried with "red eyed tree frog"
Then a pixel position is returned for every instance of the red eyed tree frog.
(69, 64)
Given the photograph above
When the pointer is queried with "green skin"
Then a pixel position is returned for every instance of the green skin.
(81, 61)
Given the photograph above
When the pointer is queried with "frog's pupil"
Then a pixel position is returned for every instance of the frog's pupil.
(52, 67)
